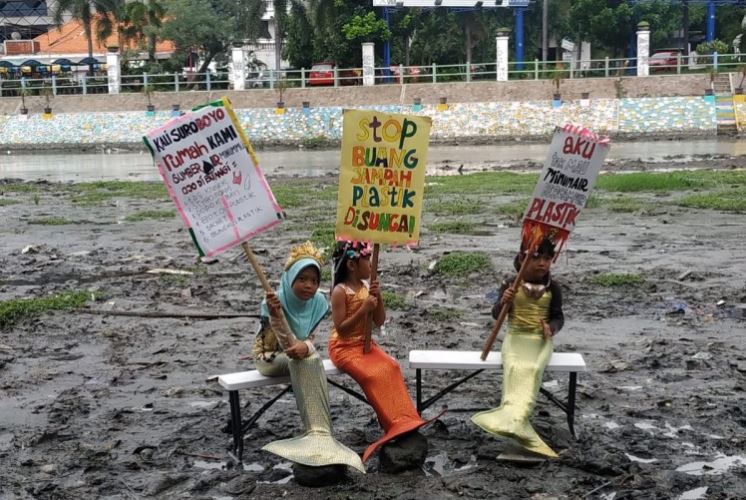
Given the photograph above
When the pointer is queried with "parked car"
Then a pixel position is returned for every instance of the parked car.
(322, 73)
(663, 61)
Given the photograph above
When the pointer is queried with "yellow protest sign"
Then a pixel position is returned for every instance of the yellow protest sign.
(382, 177)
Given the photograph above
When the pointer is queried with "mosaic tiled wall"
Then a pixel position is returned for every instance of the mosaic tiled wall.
(494, 119)
(661, 115)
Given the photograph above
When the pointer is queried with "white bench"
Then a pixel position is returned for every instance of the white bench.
(233, 382)
(569, 362)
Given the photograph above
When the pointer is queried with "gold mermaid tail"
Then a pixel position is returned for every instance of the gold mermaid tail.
(316, 447)
(524, 357)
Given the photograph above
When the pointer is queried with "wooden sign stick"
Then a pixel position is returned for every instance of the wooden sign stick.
(506, 307)
(373, 275)
(265, 284)
(257, 268)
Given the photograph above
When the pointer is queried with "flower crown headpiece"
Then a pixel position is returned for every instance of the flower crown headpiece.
(304, 251)
(356, 249)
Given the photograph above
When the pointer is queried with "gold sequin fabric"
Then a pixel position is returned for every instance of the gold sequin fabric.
(525, 353)
(316, 447)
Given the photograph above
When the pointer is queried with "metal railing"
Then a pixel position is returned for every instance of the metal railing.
(61, 84)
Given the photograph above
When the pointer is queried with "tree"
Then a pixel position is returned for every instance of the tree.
(299, 42)
(209, 25)
(83, 11)
(142, 20)
(366, 28)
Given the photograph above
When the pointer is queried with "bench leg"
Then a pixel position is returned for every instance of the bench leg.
(236, 427)
(419, 391)
(571, 402)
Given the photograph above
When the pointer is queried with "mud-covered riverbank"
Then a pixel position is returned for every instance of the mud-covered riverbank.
(102, 406)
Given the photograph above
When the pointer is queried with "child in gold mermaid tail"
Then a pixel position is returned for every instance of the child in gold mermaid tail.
(534, 318)
(284, 346)
(379, 375)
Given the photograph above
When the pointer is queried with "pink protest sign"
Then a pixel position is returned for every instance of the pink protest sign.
(213, 177)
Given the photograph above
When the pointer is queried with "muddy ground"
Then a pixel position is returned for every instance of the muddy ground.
(118, 407)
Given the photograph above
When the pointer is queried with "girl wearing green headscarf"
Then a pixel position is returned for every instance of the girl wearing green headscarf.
(284, 346)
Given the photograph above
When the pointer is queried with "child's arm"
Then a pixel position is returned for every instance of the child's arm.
(556, 316)
(279, 324)
(346, 325)
(379, 313)
(504, 295)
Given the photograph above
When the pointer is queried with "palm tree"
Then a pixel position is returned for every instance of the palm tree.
(80, 10)
(143, 19)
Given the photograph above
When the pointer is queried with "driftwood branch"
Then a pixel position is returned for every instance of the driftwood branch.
(165, 314)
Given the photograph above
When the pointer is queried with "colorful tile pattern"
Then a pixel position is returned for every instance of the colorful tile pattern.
(493, 119)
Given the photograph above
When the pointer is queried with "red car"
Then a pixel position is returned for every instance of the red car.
(322, 73)
(663, 61)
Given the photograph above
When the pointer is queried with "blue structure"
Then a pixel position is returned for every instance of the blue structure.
(519, 6)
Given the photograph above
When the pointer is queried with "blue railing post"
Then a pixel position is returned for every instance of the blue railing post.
(85, 87)
(208, 82)
(54, 84)
(176, 82)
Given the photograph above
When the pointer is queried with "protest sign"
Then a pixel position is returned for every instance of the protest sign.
(382, 177)
(565, 183)
(213, 177)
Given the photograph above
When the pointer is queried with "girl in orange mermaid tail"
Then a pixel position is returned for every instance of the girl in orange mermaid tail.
(354, 300)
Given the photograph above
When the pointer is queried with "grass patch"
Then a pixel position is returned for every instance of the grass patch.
(93, 193)
(670, 181)
(19, 187)
(323, 237)
(617, 279)
(624, 205)
(50, 221)
(457, 207)
(393, 300)
(728, 201)
(12, 311)
(513, 209)
(150, 215)
(4, 202)
(463, 263)
(444, 313)
(452, 227)
(481, 183)
(326, 275)
(302, 194)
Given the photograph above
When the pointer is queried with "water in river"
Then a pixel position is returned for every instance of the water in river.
(139, 166)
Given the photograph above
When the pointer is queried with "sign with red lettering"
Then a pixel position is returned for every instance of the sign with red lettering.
(565, 183)
(213, 177)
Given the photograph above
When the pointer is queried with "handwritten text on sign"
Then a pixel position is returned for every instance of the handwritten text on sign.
(382, 177)
(213, 178)
(566, 180)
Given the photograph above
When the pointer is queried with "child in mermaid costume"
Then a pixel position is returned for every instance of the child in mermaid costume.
(284, 346)
(354, 301)
(534, 318)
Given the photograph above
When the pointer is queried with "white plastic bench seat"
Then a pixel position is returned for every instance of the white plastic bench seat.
(567, 362)
(233, 382)
(252, 378)
(470, 360)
